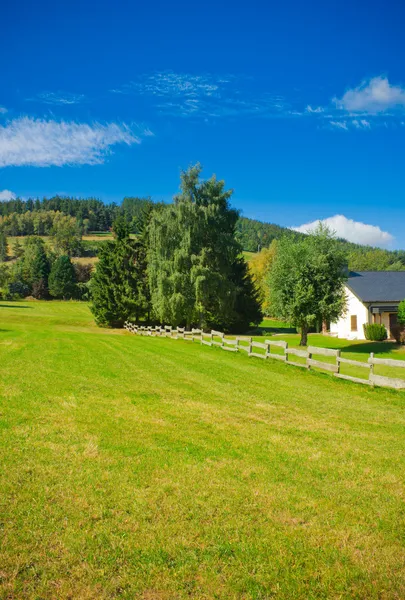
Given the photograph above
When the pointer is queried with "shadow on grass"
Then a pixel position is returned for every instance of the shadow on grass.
(14, 306)
(271, 330)
(376, 347)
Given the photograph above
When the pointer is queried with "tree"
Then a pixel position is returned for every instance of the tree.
(119, 287)
(67, 236)
(401, 313)
(62, 278)
(306, 282)
(3, 246)
(35, 267)
(260, 265)
(196, 272)
(18, 249)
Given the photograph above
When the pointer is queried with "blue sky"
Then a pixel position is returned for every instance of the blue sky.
(299, 107)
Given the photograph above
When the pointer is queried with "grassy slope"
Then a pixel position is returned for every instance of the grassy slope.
(159, 469)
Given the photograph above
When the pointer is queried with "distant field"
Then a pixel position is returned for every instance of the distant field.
(136, 467)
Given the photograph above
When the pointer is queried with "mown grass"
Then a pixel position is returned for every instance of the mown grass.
(148, 468)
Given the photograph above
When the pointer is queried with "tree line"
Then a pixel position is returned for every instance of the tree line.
(92, 214)
(43, 274)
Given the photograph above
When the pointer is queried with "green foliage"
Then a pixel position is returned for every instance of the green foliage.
(196, 274)
(17, 249)
(66, 235)
(4, 281)
(401, 312)
(306, 282)
(119, 287)
(375, 332)
(3, 245)
(33, 267)
(62, 278)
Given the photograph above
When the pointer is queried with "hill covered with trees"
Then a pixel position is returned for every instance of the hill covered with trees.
(38, 216)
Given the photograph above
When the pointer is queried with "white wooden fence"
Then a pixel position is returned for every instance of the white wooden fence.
(279, 350)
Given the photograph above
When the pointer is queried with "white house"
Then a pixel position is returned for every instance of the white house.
(372, 297)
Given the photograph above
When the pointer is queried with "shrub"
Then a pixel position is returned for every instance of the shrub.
(375, 332)
(398, 333)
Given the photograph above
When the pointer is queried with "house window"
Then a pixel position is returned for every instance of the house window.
(353, 323)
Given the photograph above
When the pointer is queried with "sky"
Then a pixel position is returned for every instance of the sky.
(299, 107)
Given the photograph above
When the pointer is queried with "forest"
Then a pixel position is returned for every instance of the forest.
(38, 217)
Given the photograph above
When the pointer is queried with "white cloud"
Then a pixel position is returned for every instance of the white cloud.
(6, 195)
(317, 110)
(42, 143)
(339, 125)
(372, 96)
(59, 98)
(353, 231)
(3, 110)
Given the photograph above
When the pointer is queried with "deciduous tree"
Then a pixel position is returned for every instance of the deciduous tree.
(306, 282)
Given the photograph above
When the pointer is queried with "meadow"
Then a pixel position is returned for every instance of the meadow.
(137, 467)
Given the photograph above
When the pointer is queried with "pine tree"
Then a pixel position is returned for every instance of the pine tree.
(62, 278)
(119, 287)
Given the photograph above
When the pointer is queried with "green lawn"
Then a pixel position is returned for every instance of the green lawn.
(149, 468)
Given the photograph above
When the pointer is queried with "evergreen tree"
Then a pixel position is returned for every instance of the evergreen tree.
(306, 281)
(35, 266)
(18, 249)
(62, 278)
(195, 266)
(119, 287)
(3, 245)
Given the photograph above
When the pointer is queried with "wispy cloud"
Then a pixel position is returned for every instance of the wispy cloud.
(38, 142)
(353, 231)
(318, 110)
(373, 96)
(188, 95)
(62, 98)
(6, 195)
(3, 110)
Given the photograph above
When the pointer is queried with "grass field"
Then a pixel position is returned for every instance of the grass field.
(148, 468)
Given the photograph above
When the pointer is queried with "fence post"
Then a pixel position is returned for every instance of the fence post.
(286, 352)
(338, 361)
(371, 372)
(308, 359)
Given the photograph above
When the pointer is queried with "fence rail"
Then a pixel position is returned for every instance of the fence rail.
(279, 350)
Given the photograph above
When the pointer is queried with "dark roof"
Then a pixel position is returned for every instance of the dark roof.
(377, 286)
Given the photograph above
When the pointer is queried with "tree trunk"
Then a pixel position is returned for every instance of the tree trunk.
(304, 335)
(324, 328)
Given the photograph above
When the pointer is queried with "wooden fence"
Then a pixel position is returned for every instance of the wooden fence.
(279, 350)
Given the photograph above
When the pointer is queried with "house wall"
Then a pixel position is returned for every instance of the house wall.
(342, 328)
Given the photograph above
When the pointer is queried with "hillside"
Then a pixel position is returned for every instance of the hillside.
(137, 467)
(26, 217)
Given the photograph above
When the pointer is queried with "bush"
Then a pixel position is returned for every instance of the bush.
(375, 332)
(398, 333)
